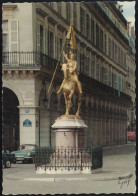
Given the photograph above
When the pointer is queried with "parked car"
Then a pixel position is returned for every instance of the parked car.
(131, 136)
(25, 153)
(7, 158)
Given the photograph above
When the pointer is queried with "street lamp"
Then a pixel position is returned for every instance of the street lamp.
(55, 102)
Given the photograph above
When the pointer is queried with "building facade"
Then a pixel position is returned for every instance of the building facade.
(33, 36)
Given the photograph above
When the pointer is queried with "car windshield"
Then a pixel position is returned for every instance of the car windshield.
(26, 147)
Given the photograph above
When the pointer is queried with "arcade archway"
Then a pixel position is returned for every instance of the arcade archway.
(10, 120)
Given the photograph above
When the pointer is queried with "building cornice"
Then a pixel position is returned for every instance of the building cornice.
(117, 13)
(8, 6)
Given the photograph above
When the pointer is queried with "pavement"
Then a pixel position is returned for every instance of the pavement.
(114, 168)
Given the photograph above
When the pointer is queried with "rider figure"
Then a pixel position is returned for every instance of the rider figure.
(72, 69)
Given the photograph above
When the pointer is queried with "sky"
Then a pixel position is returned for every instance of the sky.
(129, 11)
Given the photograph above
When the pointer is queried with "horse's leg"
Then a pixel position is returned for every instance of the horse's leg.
(61, 87)
(65, 96)
(79, 104)
(69, 100)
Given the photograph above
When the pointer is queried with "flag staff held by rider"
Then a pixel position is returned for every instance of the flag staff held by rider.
(70, 36)
(70, 84)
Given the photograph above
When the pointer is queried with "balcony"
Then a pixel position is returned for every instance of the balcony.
(28, 59)
(96, 88)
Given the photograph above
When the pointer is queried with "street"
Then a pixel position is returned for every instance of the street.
(115, 159)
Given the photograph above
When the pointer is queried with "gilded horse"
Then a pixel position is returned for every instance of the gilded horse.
(70, 86)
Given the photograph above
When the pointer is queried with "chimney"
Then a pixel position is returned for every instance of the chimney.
(129, 28)
(133, 33)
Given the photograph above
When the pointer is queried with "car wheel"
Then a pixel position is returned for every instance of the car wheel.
(8, 164)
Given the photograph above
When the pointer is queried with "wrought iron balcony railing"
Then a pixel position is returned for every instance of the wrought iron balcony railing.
(27, 59)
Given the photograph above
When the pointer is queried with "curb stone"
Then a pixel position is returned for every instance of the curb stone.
(59, 179)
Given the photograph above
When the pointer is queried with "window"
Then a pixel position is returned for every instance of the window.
(41, 42)
(92, 68)
(119, 83)
(119, 55)
(115, 82)
(51, 44)
(97, 70)
(59, 7)
(5, 26)
(68, 11)
(10, 35)
(92, 30)
(105, 75)
(82, 62)
(59, 46)
(124, 59)
(82, 20)
(41, 39)
(101, 39)
(113, 50)
(97, 35)
(5, 43)
(87, 60)
(109, 47)
(105, 43)
(75, 14)
(87, 26)
(10, 40)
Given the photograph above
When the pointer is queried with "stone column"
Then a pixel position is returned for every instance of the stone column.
(100, 127)
(29, 125)
(119, 130)
(113, 127)
(104, 130)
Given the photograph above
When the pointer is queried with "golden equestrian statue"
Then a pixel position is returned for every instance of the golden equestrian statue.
(70, 84)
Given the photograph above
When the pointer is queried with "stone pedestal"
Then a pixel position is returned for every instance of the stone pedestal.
(67, 132)
(69, 157)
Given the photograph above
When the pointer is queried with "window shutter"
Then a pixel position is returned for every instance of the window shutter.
(105, 75)
(13, 41)
(44, 45)
(119, 83)
(38, 37)
(115, 81)
(13, 35)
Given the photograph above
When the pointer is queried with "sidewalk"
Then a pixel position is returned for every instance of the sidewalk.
(115, 167)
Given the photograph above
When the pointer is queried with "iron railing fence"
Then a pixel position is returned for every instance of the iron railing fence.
(68, 158)
(27, 59)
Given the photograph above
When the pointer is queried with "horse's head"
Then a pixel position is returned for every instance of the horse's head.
(64, 69)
